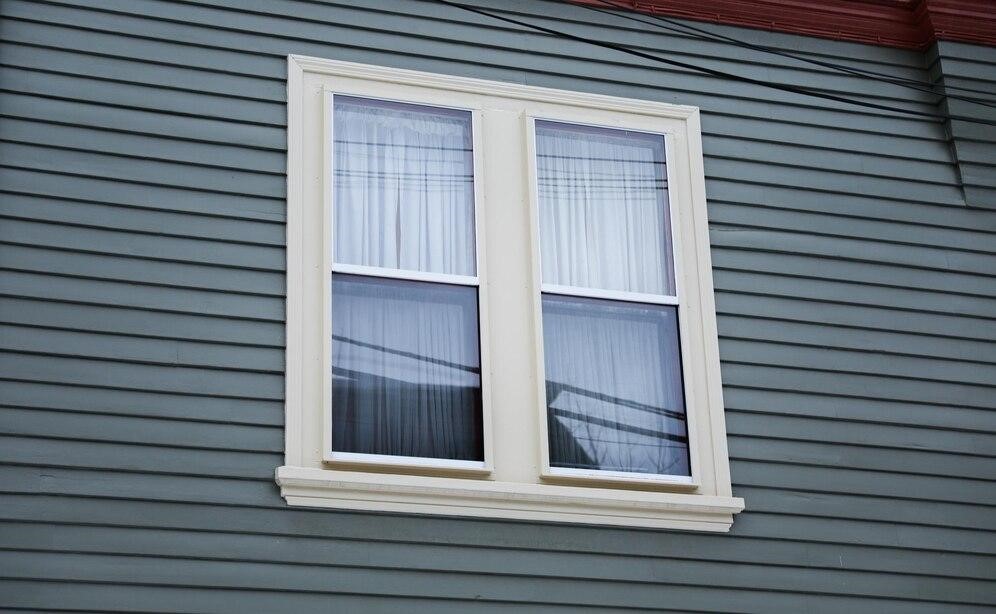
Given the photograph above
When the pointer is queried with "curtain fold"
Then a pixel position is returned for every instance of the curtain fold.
(603, 209)
(613, 386)
(405, 368)
(403, 186)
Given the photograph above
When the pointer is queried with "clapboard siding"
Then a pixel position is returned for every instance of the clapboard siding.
(956, 65)
(880, 553)
(66, 397)
(895, 450)
(142, 154)
(135, 541)
(192, 503)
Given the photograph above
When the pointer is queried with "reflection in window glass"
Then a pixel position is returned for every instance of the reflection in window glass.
(406, 371)
(613, 386)
(603, 209)
(614, 394)
(403, 192)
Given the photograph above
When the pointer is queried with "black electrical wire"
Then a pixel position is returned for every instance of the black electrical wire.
(796, 89)
(690, 30)
(702, 34)
(710, 71)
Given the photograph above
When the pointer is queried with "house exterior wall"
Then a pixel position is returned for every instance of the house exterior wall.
(968, 69)
(143, 146)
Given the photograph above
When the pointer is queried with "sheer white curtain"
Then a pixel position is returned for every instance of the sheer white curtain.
(405, 356)
(405, 368)
(614, 392)
(603, 209)
(613, 384)
(403, 186)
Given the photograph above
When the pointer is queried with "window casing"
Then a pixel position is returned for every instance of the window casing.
(681, 480)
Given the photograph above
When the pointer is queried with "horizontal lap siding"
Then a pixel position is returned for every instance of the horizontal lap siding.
(141, 325)
(957, 65)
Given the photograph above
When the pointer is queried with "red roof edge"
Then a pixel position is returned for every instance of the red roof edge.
(909, 24)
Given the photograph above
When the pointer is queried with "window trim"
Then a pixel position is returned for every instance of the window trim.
(522, 494)
(478, 281)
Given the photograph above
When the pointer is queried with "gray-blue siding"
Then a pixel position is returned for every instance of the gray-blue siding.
(142, 251)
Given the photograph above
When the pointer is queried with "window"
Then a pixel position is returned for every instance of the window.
(499, 303)
(614, 392)
(405, 386)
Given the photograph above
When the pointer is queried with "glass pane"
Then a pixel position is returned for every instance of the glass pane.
(603, 209)
(613, 386)
(406, 370)
(403, 192)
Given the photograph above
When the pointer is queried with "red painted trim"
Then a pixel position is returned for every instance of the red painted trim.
(910, 24)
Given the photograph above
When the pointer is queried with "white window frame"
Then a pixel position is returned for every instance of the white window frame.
(631, 123)
(515, 480)
(348, 459)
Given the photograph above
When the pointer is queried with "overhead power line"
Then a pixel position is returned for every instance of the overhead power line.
(673, 25)
(796, 89)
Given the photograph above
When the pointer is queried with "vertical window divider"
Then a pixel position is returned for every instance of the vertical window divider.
(537, 293)
(328, 250)
(676, 163)
(483, 303)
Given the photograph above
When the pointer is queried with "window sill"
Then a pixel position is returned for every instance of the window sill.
(351, 490)
(611, 479)
(406, 464)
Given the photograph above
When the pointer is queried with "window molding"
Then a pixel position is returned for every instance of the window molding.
(506, 486)
(509, 500)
